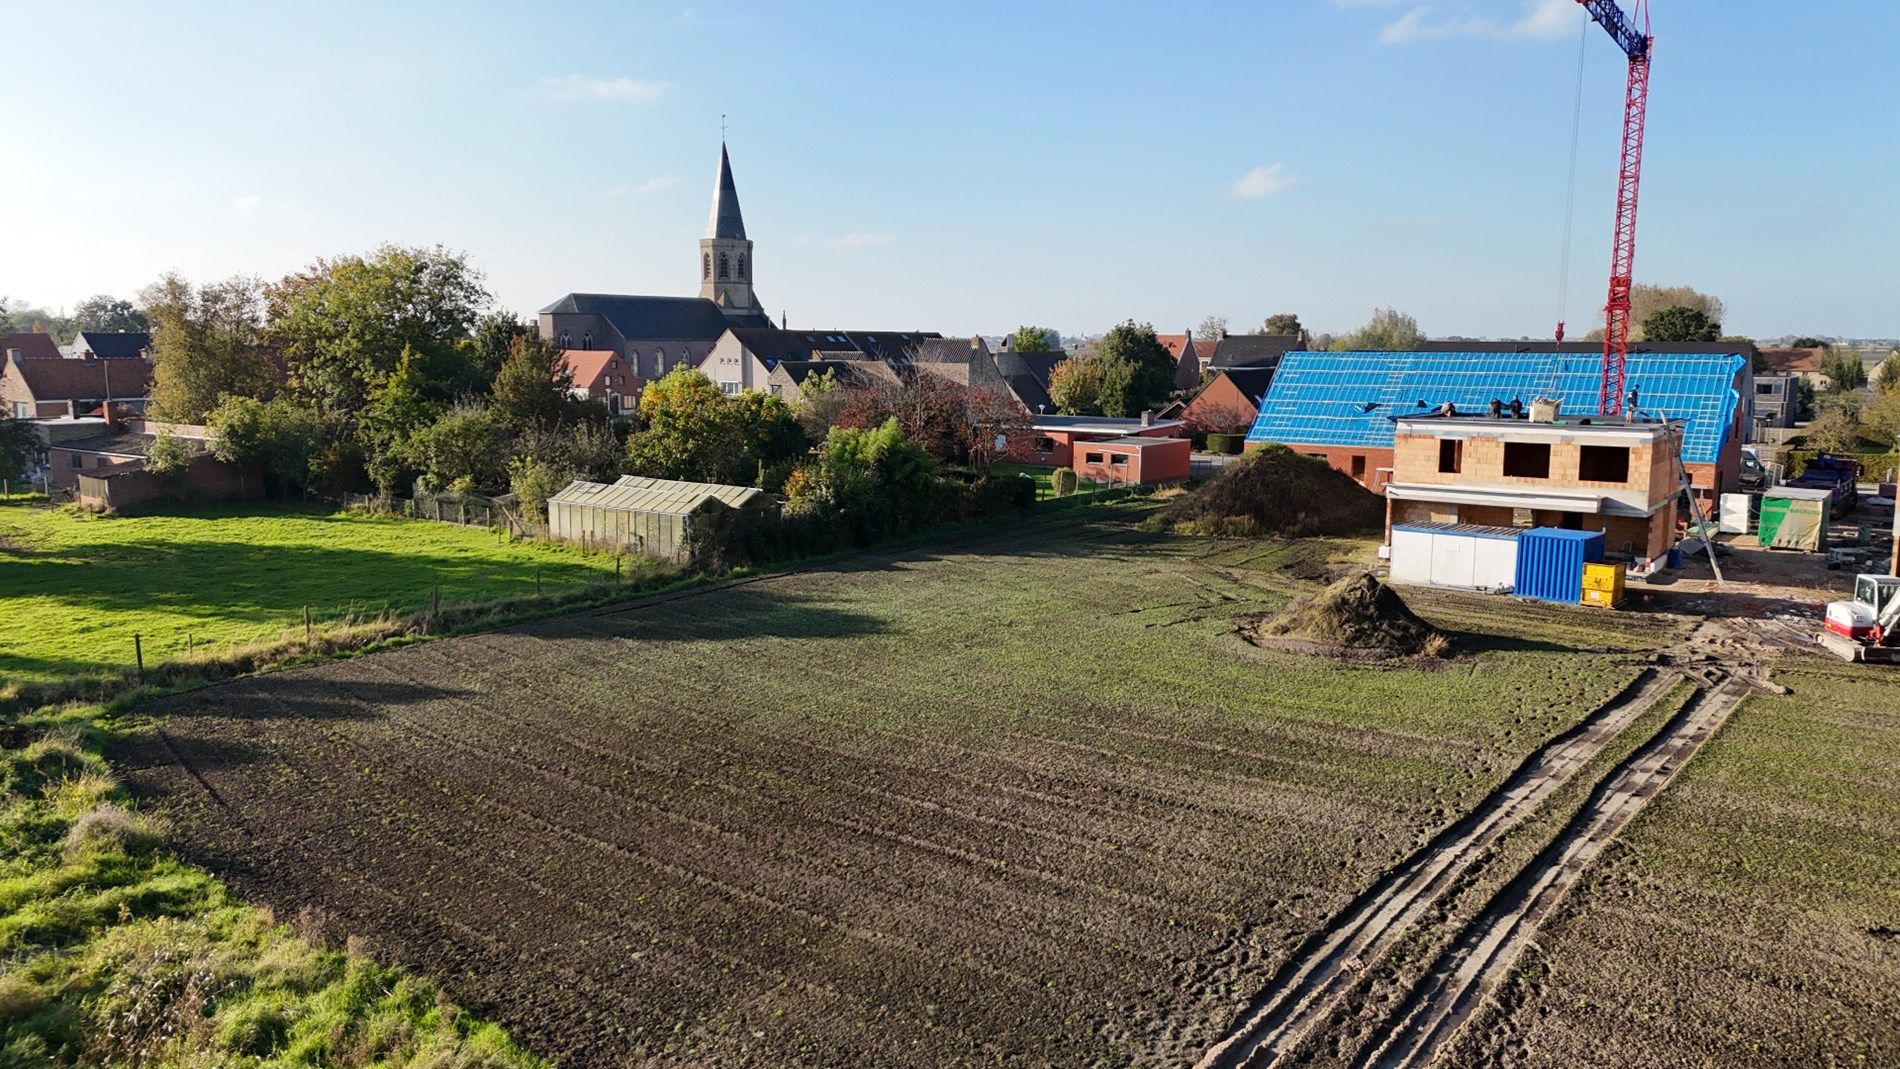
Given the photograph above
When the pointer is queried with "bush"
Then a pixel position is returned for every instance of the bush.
(115, 827)
(1226, 444)
(1063, 481)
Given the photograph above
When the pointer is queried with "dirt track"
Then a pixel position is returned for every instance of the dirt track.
(1314, 991)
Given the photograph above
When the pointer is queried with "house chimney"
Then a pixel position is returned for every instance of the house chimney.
(1147, 417)
(1007, 340)
(13, 355)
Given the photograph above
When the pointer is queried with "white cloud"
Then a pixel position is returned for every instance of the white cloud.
(247, 204)
(1539, 20)
(859, 241)
(651, 185)
(1263, 182)
(622, 90)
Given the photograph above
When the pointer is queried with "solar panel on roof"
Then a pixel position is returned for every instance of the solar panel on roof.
(1349, 399)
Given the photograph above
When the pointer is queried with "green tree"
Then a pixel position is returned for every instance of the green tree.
(397, 408)
(465, 448)
(1844, 370)
(207, 344)
(1388, 331)
(532, 387)
(1035, 340)
(689, 432)
(284, 439)
(1680, 323)
(1212, 329)
(1809, 343)
(19, 446)
(771, 435)
(1283, 323)
(1137, 372)
(18, 318)
(820, 399)
(488, 349)
(108, 313)
(1075, 385)
(169, 458)
(1836, 429)
(344, 322)
(1880, 418)
(1646, 300)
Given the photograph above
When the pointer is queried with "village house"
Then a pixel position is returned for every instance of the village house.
(110, 345)
(601, 375)
(1803, 364)
(1252, 350)
(1229, 402)
(30, 345)
(788, 378)
(1052, 441)
(743, 357)
(1187, 359)
(54, 387)
(1577, 473)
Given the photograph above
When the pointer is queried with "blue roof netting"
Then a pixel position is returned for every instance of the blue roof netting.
(1350, 399)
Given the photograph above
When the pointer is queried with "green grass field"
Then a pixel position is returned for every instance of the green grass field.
(75, 589)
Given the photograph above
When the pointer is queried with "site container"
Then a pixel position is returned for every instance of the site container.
(1550, 563)
(1603, 584)
(1794, 517)
(1459, 555)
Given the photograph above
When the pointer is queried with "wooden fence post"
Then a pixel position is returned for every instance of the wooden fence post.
(306, 625)
(138, 654)
(617, 560)
(187, 644)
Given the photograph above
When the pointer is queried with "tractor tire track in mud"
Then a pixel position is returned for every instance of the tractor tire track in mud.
(1311, 985)
(1488, 948)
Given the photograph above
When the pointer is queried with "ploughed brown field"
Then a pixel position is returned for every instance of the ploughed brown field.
(1020, 796)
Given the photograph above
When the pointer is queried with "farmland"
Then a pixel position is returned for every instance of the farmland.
(1023, 796)
(75, 589)
(1750, 917)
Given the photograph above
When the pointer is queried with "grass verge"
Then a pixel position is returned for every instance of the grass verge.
(117, 953)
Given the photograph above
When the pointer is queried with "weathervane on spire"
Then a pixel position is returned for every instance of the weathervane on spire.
(722, 127)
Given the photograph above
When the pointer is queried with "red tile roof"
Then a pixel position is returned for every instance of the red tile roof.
(1175, 344)
(32, 345)
(591, 366)
(1792, 361)
(60, 379)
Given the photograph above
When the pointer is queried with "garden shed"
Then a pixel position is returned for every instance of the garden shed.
(650, 517)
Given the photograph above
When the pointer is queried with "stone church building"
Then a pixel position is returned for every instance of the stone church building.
(653, 335)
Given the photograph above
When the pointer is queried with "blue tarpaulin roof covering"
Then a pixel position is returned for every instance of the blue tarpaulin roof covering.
(1350, 399)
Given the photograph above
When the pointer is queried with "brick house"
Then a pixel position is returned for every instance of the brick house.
(1142, 461)
(1229, 402)
(1187, 359)
(49, 388)
(1051, 441)
(1578, 474)
(601, 375)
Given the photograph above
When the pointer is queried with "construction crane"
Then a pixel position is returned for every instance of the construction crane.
(1636, 44)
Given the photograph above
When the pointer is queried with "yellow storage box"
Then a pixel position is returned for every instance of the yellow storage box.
(1603, 584)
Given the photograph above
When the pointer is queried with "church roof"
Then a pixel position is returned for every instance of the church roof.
(639, 318)
(726, 221)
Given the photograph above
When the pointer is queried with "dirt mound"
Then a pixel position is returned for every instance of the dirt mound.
(1357, 615)
(1275, 491)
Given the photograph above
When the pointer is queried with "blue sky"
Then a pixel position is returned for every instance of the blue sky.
(970, 166)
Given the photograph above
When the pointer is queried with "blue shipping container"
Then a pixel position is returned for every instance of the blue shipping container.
(1550, 563)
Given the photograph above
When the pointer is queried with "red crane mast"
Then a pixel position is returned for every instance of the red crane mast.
(1637, 45)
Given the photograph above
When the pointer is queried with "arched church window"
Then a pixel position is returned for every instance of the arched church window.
(587, 340)
(661, 358)
(705, 267)
(564, 342)
(742, 267)
(723, 267)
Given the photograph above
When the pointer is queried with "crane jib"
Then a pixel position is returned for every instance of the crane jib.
(1609, 15)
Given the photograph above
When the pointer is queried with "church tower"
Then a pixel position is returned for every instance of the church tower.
(725, 256)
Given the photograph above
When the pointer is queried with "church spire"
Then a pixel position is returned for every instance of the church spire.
(725, 256)
(726, 222)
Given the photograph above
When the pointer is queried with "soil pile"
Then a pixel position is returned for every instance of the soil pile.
(1275, 491)
(1357, 615)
